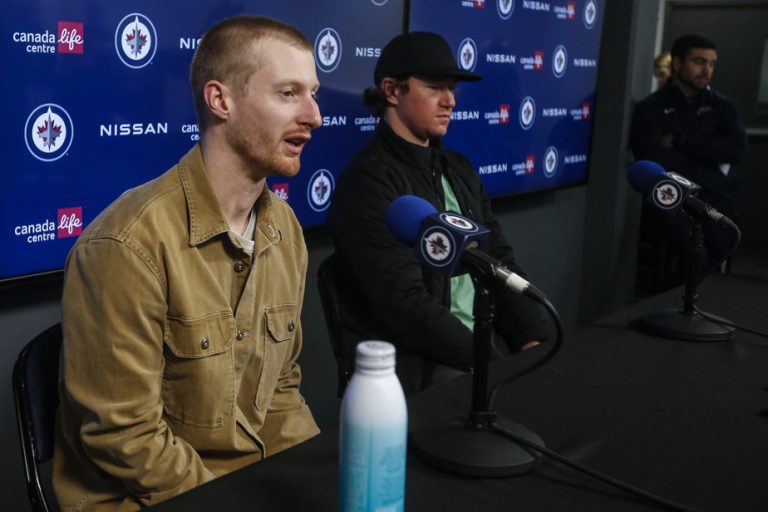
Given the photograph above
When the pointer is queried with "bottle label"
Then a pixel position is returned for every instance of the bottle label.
(372, 463)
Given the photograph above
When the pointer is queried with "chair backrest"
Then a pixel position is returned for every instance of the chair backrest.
(36, 396)
(343, 351)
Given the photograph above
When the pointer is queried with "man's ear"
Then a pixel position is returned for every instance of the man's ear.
(391, 91)
(218, 98)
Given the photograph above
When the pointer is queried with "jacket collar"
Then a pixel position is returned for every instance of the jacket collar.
(206, 218)
(417, 156)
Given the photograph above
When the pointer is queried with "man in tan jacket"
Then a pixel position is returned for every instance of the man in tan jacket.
(182, 299)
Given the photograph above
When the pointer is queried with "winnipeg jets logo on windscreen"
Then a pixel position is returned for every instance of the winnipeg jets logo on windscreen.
(666, 194)
(437, 246)
(458, 222)
(135, 40)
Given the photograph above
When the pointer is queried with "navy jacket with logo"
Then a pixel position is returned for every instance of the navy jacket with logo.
(707, 133)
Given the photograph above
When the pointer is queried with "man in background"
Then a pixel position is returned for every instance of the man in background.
(688, 128)
(182, 299)
(386, 293)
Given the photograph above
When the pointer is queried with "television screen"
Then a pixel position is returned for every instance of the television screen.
(95, 100)
(527, 125)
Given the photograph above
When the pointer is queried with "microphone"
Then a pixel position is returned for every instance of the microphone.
(668, 191)
(448, 242)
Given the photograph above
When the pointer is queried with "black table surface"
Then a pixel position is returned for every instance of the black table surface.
(684, 420)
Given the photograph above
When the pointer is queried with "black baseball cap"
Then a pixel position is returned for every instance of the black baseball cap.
(419, 53)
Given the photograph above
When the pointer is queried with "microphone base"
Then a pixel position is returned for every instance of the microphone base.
(456, 447)
(683, 325)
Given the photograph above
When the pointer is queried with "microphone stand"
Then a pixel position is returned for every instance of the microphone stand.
(468, 444)
(687, 323)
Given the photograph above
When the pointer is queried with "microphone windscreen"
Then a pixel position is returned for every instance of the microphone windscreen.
(643, 175)
(405, 215)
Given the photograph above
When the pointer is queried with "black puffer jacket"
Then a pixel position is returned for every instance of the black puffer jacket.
(385, 292)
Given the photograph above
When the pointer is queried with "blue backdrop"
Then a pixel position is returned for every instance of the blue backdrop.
(95, 100)
(527, 125)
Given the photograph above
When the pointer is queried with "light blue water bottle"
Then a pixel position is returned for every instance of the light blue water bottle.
(374, 426)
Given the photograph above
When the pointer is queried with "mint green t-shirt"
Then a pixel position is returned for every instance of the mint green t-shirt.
(462, 287)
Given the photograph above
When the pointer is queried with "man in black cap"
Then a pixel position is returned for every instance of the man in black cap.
(385, 292)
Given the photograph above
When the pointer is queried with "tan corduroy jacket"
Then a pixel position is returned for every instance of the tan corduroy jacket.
(179, 357)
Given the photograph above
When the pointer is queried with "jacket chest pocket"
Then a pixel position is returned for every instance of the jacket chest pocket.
(199, 379)
(281, 326)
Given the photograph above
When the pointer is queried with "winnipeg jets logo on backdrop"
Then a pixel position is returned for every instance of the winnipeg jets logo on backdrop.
(527, 113)
(590, 14)
(559, 61)
(320, 189)
(438, 246)
(550, 161)
(467, 56)
(135, 40)
(505, 8)
(328, 50)
(48, 132)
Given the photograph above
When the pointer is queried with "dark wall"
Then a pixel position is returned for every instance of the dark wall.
(576, 244)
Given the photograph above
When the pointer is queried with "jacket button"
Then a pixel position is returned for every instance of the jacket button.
(204, 343)
(291, 326)
(239, 266)
(241, 335)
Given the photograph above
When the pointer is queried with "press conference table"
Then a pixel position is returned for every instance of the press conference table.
(685, 420)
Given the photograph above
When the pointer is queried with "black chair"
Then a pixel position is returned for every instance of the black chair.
(343, 346)
(36, 396)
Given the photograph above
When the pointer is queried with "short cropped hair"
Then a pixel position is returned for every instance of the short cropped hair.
(683, 44)
(219, 55)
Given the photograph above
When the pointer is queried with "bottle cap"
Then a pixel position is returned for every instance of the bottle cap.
(375, 355)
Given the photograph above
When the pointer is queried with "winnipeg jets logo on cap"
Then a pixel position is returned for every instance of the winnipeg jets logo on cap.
(527, 113)
(438, 246)
(590, 14)
(328, 50)
(559, 61)
(467, 56)
(135, 40)
(320, 189)
(48, 132)
(550, 161)
(505, 8)
(666, 194)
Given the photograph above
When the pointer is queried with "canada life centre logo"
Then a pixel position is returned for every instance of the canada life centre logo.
(527, 113)
(320, 189)
(559, 61)
(327, 50)
(467, 55)
(505, 8)
(551, 160)
(48, 132)
(590, 14)
(135, 40)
